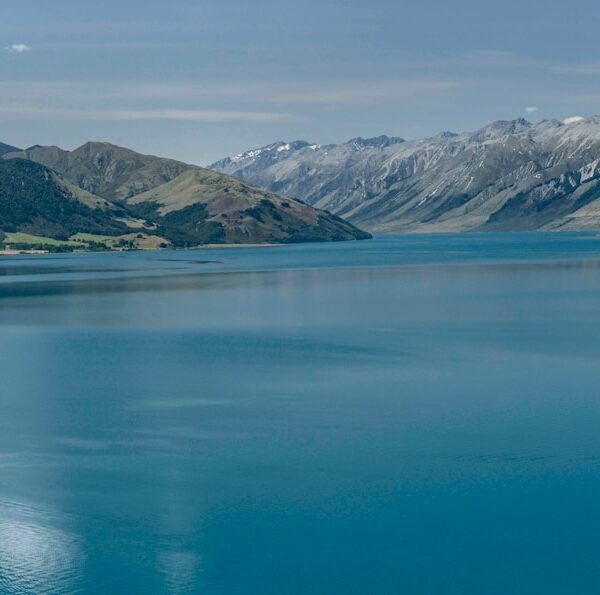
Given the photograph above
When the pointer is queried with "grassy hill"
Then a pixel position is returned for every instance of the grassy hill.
(114, 173)
(133, 200)
(201, 206)
(33, 200)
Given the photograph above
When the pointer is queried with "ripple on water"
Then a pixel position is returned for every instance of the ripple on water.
(36, 557)
(181, 570)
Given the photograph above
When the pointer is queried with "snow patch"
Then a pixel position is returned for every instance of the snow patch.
(589, 171)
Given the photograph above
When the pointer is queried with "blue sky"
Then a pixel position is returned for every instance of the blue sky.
(198, 80)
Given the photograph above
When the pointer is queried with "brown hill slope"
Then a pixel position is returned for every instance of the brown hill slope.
(185, 204)
(201, 206)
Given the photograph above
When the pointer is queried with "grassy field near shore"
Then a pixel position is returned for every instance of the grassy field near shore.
(19, 241)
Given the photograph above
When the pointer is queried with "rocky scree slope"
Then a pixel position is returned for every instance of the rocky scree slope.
(509, 175)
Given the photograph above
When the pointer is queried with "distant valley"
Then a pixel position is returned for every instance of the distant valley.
(509, 175)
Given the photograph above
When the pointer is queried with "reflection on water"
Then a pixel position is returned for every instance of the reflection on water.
(181, 570)
(415, 415)
(35, 557)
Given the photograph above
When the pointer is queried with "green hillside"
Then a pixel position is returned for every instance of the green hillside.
(201, 206)
(142, 201)
(34, 201)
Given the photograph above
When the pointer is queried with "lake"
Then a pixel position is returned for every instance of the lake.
(411, 414)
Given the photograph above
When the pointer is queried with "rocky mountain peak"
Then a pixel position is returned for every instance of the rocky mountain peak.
(502, 128)
(380, 142)
(509, 174)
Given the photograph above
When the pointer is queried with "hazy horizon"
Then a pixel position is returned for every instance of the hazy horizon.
(316, 140)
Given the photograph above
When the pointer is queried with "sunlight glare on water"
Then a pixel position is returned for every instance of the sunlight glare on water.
(35, 557)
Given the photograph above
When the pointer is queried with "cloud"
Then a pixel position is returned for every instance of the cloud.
(586, 69)
(18, 48)
(573, 119)
(36, 112)
(531, 109)
(337, 93)
(346, 93)
(359, 94)
(114, 45)
(195, 115)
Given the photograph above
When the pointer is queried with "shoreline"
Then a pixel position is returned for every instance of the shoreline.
(25, 252)
(22, 252)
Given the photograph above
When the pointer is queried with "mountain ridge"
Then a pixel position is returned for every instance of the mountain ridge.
(105, 169)
(132, 189)
(4, 149)
(508, 175)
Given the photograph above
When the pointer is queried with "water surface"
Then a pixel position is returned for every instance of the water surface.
(414, 414)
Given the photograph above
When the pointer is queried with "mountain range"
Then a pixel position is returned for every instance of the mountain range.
(109, 193)
(509, 175)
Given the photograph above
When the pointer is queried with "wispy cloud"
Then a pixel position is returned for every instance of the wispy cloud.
(37, 112)
(18, 48)
(360, 93)
(347, 93)
(485, 60)
(196, 115)
(341, 93)
(531, 109)
(114, 45)
(586, 69)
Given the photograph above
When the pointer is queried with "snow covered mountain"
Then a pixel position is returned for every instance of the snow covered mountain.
(509, 175)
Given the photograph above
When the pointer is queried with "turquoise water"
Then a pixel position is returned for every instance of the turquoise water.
(414, 415)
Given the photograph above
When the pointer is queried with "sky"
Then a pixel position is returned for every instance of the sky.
(197, 80)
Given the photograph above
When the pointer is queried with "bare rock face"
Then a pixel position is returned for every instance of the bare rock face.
(510, 175)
